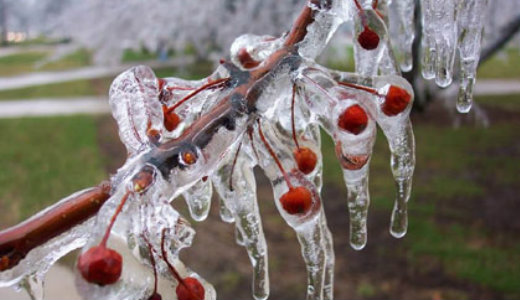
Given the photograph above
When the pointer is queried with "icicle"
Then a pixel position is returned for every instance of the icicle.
(328, 247)
(306, 222)
(239, 238)
(355, 133)
(439, 39)
(225, 213)
(311, 242)
(198, 199)
(470, 22)
(235, 183)
(396, 125)
(402, 28)
(33, 285)
(428, 49)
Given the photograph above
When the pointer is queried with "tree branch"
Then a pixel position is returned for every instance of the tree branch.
(17, 241)
(507, 32)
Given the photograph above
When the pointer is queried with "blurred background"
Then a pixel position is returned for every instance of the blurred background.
(58, 58)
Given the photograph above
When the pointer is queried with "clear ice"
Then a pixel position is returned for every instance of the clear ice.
(296, 98)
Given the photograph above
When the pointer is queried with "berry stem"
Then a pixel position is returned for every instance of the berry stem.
(170, 266)
(180, 88)
(152, 260)
(320, 88)
(361, 13)
(250, 134)
(113, 219)
(292, 117)
(195, 92)
(360, 87)
(273, 155)
(233, 167)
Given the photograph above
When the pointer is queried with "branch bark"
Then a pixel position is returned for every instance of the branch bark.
(17, 241)
(506, 33)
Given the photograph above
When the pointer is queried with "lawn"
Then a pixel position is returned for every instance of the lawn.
(24, 62)
(45, 159)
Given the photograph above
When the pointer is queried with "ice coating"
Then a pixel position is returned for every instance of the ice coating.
(399, 133)
(440, 40)
(30, 271)
(258, 109)
(352, 148)
(133, 102)
(198, 199)
(235, 183)
(448, 26)
(470, 24)
(402, 31)
(367, 61)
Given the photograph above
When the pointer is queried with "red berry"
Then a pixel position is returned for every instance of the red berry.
(100, 265)
(350, 162)
(155, 296)
(192, 289)
(368, 39)
(354, 119)
(246, 60)
(297, 200)
(396, 101)
(189, 157)
(306, 159)
(171, 119)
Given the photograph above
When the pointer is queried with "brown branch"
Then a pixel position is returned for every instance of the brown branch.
(506, 33)
(17, 241)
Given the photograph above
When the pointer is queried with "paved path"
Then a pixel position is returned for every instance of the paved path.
(40, 78)
(50, 107)
(497, 87)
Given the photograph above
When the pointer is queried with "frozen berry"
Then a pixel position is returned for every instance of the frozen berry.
(350, 162)
(171, 119)
(297, 200)
(192, 289)
(246, 60)
(354, 119)
(100, 265)
(368, 39)
(189, 157)
(305, 159)
(396, 101)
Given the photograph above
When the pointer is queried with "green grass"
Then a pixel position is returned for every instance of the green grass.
(44, 160)
(510, 103)
(78, 59)
(503, 65)
(96, 87)
(15, 64)
(131, 55)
